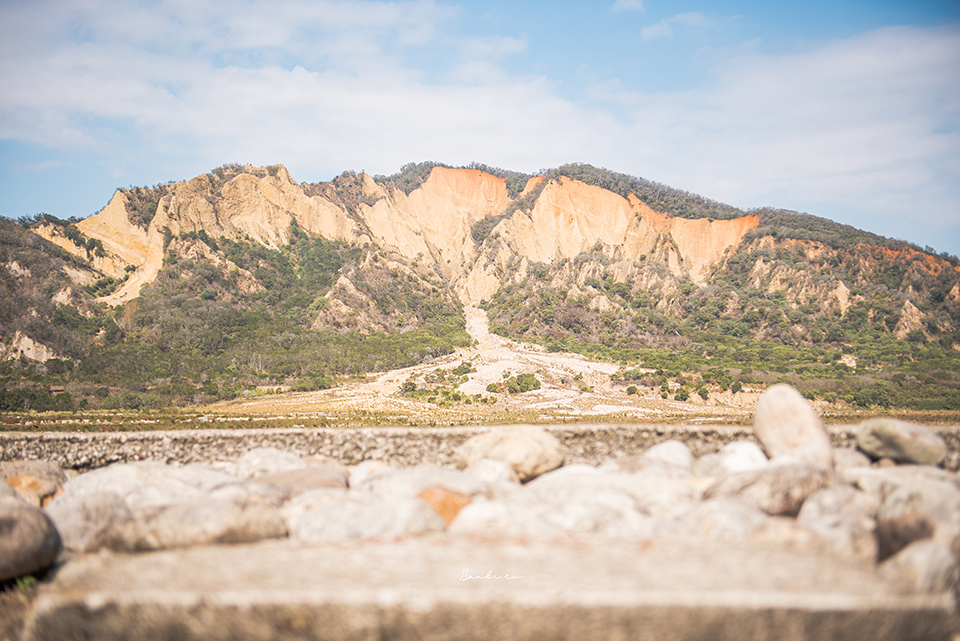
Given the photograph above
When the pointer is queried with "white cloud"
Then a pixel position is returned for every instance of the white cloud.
(664, 28)
(870, 123)
(627, 5)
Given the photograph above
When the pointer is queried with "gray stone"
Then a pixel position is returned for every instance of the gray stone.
(311, 500)
(529, 450)
(901, 441)
(196, 523)
(777, 489)
(732, 458)
(29, 541)
(7, 492)
(664, 498)
(379, 519)
(788, 426)
(280, 487)
(923, 566)
(785, 533)
(847, 457)
(916, 502)
(81, 517)
(725, 518)
(845, 519)
(149, 484)
(262, 461)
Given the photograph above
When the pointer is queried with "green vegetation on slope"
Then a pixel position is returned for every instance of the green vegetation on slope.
(194, 336)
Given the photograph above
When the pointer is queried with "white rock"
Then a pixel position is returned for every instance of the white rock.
(671, 451)
(491, 471)
(777, 490)
(787, 425)
(200, 522)
(529, 450)
(845, 519)
(923, 566)
(901, 441)
(366, 469)
(267, 460)
(846, 457)
(383, 519)
(725, 518)
(81, 517)
(732, 458)
(409, 482)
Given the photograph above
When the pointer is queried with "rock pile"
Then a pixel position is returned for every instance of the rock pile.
(888, 503)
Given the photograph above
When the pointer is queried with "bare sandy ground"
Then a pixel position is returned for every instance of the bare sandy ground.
(572, 387)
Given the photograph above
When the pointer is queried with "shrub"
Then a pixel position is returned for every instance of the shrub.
(632, 390)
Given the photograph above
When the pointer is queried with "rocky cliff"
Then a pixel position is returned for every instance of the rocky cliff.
(432, 224)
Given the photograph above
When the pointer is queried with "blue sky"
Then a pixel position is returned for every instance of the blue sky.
(843, 109)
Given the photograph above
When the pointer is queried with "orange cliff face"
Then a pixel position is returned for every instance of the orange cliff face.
(433, 224)
(571, 217)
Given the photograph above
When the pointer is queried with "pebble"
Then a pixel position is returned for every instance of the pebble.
(901, 441)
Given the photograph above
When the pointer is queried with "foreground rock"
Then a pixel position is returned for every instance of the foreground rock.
(29, 542)
(777, 490)
(529, 450)
(788, 426)
(192, 523)
(901, 441)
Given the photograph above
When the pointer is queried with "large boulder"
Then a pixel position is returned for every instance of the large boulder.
(81, 517)
(776, 489)
(29, 541)
(788, 426)
(844, 518)
(375, 518)
(36, 481)
(529, 450)
(901, 441)
(193, 523)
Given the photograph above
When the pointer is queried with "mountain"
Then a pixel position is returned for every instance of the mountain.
(193, 291)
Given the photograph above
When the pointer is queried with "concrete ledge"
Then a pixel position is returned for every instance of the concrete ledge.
(577, 588)
(404, 445)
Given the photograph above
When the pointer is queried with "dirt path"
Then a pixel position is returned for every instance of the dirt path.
(572, 387)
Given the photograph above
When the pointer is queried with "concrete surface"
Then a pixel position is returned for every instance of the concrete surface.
(577, 588)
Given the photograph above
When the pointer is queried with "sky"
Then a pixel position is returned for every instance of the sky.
(844, 109)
